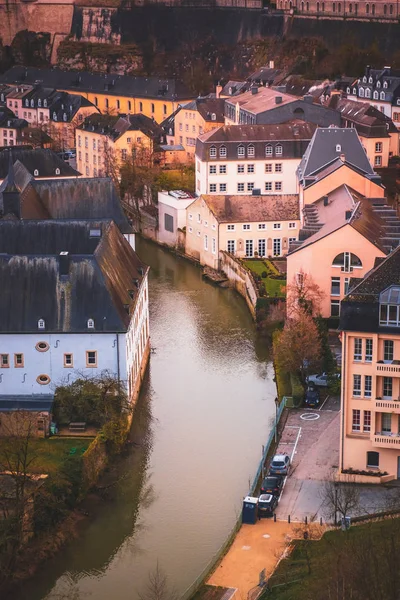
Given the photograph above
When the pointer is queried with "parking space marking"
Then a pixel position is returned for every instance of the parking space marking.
(291, 459)
(322, 405)
(310, 416)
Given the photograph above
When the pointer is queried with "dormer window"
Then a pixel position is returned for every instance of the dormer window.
(338, 148)
(378, 84)
(90, 324)
(368, 93)
(32, 103)
(250, 151)
(41, 324)
(364, 79)
(222, 152)
(241, 151)
(45, 103)
(370, 80)
(348, 90)
(213, 152)
(389, 307)
(213, 117)
(36, 173)
(385, 85)
(376, 95)
(361, 92)
(65, 118)
(278, 150)
(57, 171)
(355, 91)
(27, 102)
(268, 150)
(383, 95)
(54, 116)
(39, 103)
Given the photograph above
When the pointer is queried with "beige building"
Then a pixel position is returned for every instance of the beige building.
(251, 159)
(359, 9)
(370, 420)
(245, 226)
(104, 142)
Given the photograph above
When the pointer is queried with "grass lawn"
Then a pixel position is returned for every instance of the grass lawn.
(321, 554)
(50, 453)
(210, 592)
(273, 286)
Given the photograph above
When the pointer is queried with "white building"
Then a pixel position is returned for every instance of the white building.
(381, 89)
(172, 215)
(247, 159)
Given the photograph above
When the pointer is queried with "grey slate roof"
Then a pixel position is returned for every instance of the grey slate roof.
(115, 126)
(327, 146)
(97, 285)
(44, 160)
(207, 107)
(111, 84)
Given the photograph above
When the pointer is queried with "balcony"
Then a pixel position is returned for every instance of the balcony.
(389, 406)
(386, 440)
(387, 370)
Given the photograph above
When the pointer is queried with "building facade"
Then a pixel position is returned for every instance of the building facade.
(370, 421)
(381, 10)
(172, 216)
(246, 159)
(379, 87)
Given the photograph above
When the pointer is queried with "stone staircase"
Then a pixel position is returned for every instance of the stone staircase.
(391, 225)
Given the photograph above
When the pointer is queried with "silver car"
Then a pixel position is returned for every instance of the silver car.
(280, 465)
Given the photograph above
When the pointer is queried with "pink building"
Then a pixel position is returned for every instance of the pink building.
(370, 325)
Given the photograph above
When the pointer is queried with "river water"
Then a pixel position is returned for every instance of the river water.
(205, 410)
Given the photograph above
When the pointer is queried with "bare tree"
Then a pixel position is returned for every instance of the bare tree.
(157, 587)
(340, 498)
(304, 295)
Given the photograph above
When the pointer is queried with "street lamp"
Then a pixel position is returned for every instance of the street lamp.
(276, 419)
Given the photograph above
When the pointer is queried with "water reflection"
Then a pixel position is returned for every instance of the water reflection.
(204, 414)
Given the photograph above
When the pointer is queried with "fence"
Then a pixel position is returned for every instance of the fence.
(220, 553)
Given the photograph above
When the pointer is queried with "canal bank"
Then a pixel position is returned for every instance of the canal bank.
(209, 395)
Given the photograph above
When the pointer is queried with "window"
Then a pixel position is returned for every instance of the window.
(376, 95)
(277, 247)
(141, 106)
(190, 216)
(367, 421)
(222, 152)
(213, 188)
(87, 171)
(206, 242)
(249, 247)
(18, 360)
(240, 187)
(335, 308)
(268, 150)
(278, 168)
(240, 168)
(241, 152)
(129, 106)
(246, 227)
(168, 222)
(387, 387)
(367, 386)
(278, 150)
(268, 186)
(250, 168)
(277, 226)
(250, 187)
(4, 361)
(222, 187)
(230, 228)
(356, 385)
(347, 261)
(389, 301)
(35, 172)
(123, 153)
(386, 422)
(368, 350)
(90, 323)
(250, 151)
(261, 247)
(222, 169)
(373, 459)
(68, 360)
(198, 217)
(357, 349)
(190, 229)
(278, 186)
(152, 107)
(230, 246)
(262, 226)
(213, 245)
(335, 287)
(91, 358)
(213, 169)
(43, 379)
(388, 350)
(378, 161)
(42, 346)
(292, 225)
(268, 167)
(213, 152)
(205, 223)
(41, 324)
(356, 420)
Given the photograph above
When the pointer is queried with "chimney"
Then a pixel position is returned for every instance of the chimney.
(271, 64)
(218, 90)
(64, 263)
(348, 214)
(254, 90)
(326, 200)
(343, 157)
(278, 99)
(308, 98)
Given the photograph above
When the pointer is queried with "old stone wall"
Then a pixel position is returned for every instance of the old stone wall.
(241, 280)
(54, 18)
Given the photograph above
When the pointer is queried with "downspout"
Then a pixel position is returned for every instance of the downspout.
(344, 347)
(118, 368)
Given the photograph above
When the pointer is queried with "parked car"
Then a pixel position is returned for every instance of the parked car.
(266, 505)
(279, 465)
(67, 155)
(322, 380)
(272, 485)
(312, 397)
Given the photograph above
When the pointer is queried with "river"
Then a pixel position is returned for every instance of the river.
(206, 408)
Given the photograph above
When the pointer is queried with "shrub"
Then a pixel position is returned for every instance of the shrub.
(264, 274)
(297, 389)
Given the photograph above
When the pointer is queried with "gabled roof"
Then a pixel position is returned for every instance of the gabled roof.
(364, 114)
(45, 161)
(263, 99)
(293, 130)
(385, 273)
(111, 84)
(233, 88)
(114, 126)
(247, 209)
(100, 283)
(207, 107)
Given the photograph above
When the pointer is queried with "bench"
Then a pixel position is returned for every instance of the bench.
(77, 427)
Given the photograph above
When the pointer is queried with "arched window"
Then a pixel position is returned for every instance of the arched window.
(385, 9)
(26, 102)
(347, 261)
(57, 171)
(370, 80)
(36, 172)
(355, 91)
(41, 324)
(367, 12)
(368, 93)
(250, 151)
(339, 7)
(302, 6)
(323, 7)
(213, 152)
(373, 9)
(44, 102)
(317, 6)
(222, 152)
(299, 112)
(389, 306)
(334, 7)
(376, 95)
(39, 102)
(350, 8)
(364, 78)
(378, 84)
(278, 150)
(391, 9)
(338, 148)
(90, 324)
(361, 92)
(383, 95)
(307, 6)
(385, 84)
(32, 103)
